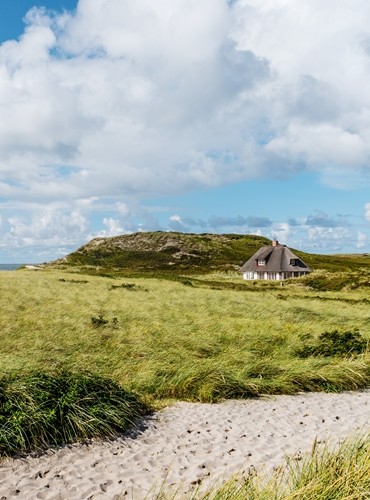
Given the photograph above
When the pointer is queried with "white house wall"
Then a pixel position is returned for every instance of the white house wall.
(264, 275)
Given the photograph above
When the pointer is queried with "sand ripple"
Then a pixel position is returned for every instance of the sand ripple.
(188, 444)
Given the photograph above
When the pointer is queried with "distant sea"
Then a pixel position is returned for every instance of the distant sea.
(9, 267)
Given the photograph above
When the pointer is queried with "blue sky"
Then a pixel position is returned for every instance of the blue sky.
(250, 116)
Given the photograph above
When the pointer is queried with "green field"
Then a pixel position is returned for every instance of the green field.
(197, 338)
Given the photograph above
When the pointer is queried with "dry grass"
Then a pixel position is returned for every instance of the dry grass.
(167, 340)
(342, 474)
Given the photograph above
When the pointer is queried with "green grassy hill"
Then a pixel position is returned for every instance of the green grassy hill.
(184, 253)
(167, 252)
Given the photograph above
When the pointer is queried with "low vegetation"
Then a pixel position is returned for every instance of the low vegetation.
(326, 474)
(38, 410)
(171, 253)
(335, 343)
(197, 338)
(163, 252)
(167, 316)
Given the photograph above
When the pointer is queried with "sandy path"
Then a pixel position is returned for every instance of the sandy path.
(188, 443)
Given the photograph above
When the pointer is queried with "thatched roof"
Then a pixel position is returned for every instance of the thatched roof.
(278, 258)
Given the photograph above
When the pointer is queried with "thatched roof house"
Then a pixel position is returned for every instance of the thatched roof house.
(274, 262)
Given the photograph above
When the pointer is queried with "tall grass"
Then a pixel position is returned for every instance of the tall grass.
(166, 339)
(325, 474)
(39, 410)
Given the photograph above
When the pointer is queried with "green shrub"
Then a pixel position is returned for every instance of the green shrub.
(99, 321)
(335, 343)
(39, 410)
(129, 286)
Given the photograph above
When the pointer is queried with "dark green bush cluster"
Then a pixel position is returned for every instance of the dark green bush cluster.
(280, 296)
(335, 343)
(129, 286)
(100, 321)
(63, 280)
(40, 410)
(186, 282)
(336, 281)
(324, 299)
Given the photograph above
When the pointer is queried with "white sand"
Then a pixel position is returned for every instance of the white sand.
(189, 443)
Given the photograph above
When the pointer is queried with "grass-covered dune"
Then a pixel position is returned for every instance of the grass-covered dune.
(38, 410)
(166, 252)
(200, 340)
(174, 253)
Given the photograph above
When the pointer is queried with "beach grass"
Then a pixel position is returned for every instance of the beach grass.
(38, 410)
(325, 474)
(194, 338)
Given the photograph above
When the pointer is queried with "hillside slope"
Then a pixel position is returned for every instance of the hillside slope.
(167, 251)
(171, 252)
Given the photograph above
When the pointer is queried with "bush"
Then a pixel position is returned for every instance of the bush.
(99, 321)
(335, 343)
(39, 410)
(129, 286)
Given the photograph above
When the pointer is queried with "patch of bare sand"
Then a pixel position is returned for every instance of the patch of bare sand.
(187, 444)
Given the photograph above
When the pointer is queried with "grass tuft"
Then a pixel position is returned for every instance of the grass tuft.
(39, 410)
(325, 474)
(336, 343)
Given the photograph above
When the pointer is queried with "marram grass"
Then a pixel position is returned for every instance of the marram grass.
(325, 474)
(39, 410)
(165, 339)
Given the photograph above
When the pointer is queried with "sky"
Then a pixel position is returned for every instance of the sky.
(226, 116)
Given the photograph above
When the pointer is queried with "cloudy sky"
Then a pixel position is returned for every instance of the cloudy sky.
(245, 116)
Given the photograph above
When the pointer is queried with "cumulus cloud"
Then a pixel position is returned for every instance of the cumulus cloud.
(367, 212)
(44, 228)
(361, 240)
(176, 223)
(330, 238)
(132, 96)
(132, 100)
(321, 219)
(112, 227)
(152, 97)
(281, 232)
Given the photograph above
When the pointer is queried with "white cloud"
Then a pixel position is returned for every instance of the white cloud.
(155, 97)
(130, 100)
(361, 240)
(329, 238)
(132, 95)
(367, 212)
(123, 209)
(320, 144)
(113, 227)
(176, 223)
(281, 232)
(46, 228)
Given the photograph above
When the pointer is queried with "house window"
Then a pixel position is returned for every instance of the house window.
(261, 262)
